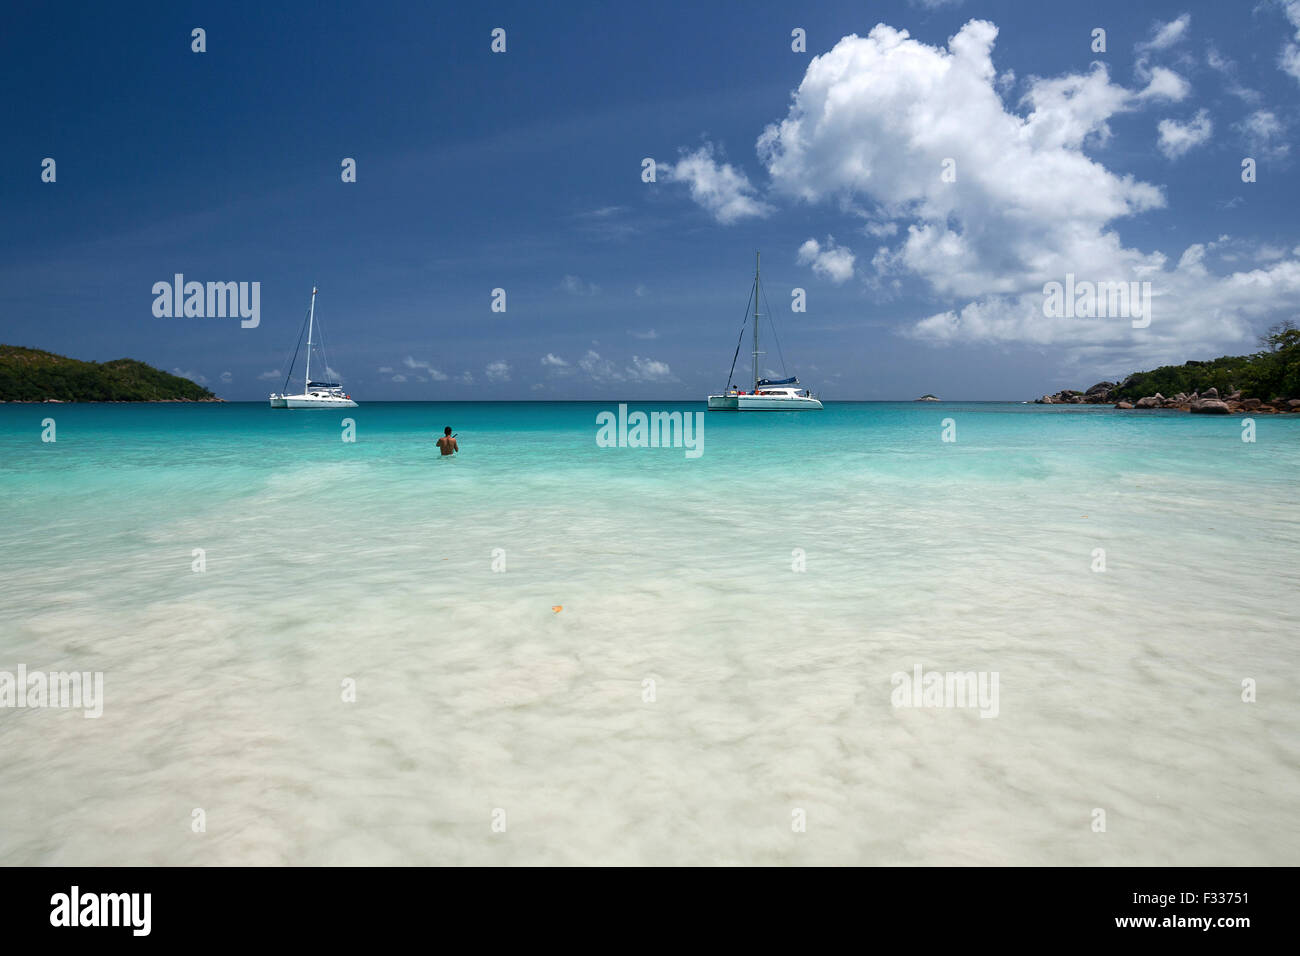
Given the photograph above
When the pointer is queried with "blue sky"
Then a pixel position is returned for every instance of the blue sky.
(522, 171)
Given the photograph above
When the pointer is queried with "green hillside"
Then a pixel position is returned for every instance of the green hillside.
(31, 375)
(1265, 375)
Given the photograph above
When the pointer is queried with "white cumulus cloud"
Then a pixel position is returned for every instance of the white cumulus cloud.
(604, 371)
(724, 191)
(648, 370)
(870, 127)
(830, 261)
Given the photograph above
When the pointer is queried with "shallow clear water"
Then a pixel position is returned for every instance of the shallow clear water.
(372, 562)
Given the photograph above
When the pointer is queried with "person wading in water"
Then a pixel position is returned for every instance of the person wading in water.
(447, 443)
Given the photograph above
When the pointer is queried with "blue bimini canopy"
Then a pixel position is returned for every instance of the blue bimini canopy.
(323, 385)
(792, 380)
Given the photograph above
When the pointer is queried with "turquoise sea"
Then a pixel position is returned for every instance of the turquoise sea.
(717, 686)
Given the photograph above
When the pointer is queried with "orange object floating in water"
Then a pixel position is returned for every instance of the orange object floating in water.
(557, 608)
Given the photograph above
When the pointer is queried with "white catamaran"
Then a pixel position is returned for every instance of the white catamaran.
(768, 395)
(314, 394)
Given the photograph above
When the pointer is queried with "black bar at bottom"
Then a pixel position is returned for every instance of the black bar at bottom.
(1174, 906)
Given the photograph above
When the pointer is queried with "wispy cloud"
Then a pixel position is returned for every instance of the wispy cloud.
(1228, 69)
(1165, 35)
(1289, 59)
(604, 371)
(1263, 134)
(430, 372)
(606, 222)
(1176, 138)
(576, 286)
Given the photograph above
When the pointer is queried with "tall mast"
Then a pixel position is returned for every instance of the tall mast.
(311, 318)
(756, 293)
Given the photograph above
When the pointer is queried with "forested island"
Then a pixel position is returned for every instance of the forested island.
(1265, 381)
(32, 375)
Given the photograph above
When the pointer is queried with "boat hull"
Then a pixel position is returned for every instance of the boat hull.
(765, 403)
(308, 401)
(762, 403)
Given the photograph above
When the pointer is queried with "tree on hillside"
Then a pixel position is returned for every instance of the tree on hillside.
(1283, 335)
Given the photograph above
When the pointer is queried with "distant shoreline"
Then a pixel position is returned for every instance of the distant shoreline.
(517, 401)
(111, 401)
(34, 376)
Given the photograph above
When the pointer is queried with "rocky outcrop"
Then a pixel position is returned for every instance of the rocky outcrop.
(1208, 402)
(1099, 394)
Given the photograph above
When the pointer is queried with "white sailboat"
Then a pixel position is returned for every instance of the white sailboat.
(768, 395)
(314, 394)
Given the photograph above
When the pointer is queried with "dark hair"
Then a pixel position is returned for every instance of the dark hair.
(447, 430)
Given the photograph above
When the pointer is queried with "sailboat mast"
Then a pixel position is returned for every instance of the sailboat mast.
(756, 291)
(311, 319)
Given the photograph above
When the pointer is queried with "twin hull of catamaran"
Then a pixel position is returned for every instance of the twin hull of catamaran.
(765, 400)
(768, 395)
(314, 394)
(333, 398)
